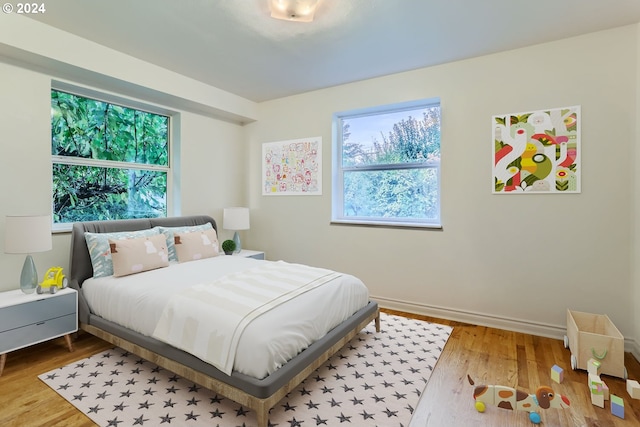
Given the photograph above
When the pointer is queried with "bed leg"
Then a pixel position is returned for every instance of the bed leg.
(378, 322)
(263, 418)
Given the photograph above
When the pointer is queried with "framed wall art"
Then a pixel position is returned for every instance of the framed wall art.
(537, 152)
(292, 167)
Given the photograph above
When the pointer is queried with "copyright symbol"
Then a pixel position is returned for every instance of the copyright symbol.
(7, 8)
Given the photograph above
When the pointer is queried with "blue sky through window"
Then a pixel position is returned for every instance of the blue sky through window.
(365, 129)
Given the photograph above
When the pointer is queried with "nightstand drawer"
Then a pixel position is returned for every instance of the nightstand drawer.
(37, 332)
(33, 312)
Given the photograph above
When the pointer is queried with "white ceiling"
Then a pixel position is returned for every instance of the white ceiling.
(236, 46)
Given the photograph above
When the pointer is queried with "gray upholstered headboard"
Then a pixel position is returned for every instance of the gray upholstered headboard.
(80, 267)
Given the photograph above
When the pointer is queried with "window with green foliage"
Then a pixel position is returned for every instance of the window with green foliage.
(386, 165)
(109, 161)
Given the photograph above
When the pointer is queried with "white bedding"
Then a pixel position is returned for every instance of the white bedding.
(137, 302)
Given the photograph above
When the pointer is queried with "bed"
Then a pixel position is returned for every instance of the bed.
(259, 390)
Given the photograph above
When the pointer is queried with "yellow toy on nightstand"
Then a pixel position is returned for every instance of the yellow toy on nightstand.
(53, 280)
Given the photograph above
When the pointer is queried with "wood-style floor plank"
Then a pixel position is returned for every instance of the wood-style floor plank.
(490, 356)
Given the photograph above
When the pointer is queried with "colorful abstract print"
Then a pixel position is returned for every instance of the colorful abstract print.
(537, 152)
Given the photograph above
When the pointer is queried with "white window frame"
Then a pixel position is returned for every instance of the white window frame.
(337, 198)
(169, 169)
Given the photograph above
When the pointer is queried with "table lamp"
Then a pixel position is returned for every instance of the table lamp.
(27, 235)
(236, 219)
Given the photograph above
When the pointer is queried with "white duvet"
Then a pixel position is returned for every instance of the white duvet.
(137, 302)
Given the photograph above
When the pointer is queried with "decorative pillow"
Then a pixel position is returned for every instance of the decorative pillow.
(132, 256)
(169, 232)
(196, 245)
(98, 244)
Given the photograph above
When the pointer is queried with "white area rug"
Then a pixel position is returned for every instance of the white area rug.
(375, 380)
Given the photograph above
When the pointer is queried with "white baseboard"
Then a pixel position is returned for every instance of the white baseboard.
(635, 348)
(490, 320)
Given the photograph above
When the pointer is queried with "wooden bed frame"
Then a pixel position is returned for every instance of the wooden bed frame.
(258, 395)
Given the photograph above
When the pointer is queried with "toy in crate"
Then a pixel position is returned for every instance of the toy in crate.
(594, 336)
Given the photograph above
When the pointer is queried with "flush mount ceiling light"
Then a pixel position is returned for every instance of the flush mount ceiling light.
(293, 10)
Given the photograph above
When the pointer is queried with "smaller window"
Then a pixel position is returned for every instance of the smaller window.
(386, 165)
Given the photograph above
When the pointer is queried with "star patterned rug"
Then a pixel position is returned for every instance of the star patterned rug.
(374, 380)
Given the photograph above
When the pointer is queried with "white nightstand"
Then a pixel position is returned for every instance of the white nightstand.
(250, 254)
(27, 319)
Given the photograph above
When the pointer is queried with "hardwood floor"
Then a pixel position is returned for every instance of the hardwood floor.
(490, 356)
(25, 401)
(494, 356)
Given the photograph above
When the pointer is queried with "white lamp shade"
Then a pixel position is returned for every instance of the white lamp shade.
(235, 219)
(27, 234)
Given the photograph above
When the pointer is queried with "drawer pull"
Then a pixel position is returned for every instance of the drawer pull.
(40, 323)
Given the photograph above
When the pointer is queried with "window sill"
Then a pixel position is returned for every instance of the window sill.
(61, 228)
(386, 224)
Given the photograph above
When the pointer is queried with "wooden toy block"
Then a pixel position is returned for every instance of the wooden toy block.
(617, 406)
(557, 373)
(633, 388)
(596, 388)
(597, 400)
(593, 367)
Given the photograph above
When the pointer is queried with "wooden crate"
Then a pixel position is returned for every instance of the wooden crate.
(594, 336)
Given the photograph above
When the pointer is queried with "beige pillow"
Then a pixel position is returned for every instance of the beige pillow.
(169, 232)
(196, 245)
(98, 244)
(131, 256)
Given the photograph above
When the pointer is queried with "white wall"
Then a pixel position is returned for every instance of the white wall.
(513, 261)
(213, 167)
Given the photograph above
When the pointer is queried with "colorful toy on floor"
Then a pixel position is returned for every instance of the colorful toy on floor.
(557, 373)
(617, 406)
(597, 387)
(593, 367)
(513, 399)
(599, 390)
(633, 388)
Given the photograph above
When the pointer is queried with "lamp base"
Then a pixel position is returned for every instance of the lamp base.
(29, 276)
(236, 238)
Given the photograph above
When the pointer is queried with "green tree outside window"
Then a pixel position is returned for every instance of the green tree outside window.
(109, 161)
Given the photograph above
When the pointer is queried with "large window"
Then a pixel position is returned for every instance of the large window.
(109, 161)
(386, 165)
